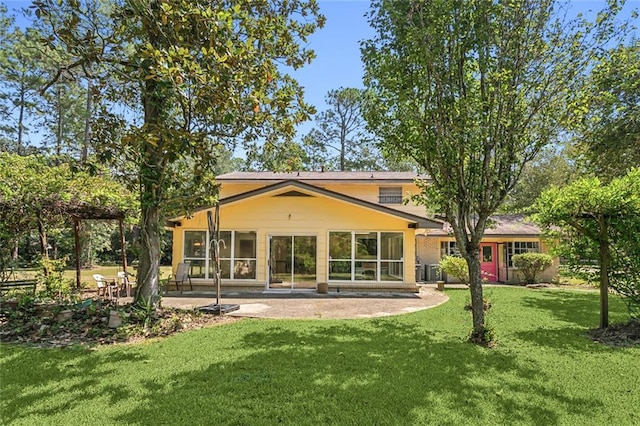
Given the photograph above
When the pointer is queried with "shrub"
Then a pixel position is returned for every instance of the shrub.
(530, 264)
(456, 267)
(56, 286)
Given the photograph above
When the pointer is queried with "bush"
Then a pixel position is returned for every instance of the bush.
(530, 264)
(55, 285)
(456, 267)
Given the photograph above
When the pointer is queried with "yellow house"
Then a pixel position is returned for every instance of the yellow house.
(345, 230)
(288, 231)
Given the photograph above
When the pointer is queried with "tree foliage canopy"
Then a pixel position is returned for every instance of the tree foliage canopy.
(37, 193)
(609, 138)
(471, 91)
(589, 217)
(192, 76)
(339, 141)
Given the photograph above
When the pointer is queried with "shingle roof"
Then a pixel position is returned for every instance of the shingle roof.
(320, 176)
(505, 225)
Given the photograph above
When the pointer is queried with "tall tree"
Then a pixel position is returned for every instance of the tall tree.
(339, 140)
(21, 77)
(609, 138)
(472, 91)
(281, 156)
(64, 121)
(5, 25)
(195, 74)
(551, 167)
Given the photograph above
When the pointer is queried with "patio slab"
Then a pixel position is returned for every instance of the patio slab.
(311, 305)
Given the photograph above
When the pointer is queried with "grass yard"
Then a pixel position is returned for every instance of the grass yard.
(410, 369)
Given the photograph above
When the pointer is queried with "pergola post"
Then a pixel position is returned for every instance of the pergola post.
(76, 238)
(122, 245)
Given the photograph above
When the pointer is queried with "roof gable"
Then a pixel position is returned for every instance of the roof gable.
(297, 186)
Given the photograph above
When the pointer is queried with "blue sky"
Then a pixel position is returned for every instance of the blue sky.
(337, 46)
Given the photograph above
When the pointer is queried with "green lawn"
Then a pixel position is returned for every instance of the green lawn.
(409, 369)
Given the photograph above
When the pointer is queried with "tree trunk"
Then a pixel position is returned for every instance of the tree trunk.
(14, 248)
(477, 302)
(59, 124)
(86, 244)
(87, 124)
(21, 119)
(156, 109)
(603, 242)
(149, 267)
(44, 246)
(343, 150)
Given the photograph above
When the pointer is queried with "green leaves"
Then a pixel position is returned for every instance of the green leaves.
(608, 139)
(191, 76)
(589, 217)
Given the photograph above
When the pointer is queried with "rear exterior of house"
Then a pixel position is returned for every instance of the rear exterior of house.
(293, 231)
(345, 230)
(509, 235)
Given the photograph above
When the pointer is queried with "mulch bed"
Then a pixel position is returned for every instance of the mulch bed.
(88, 324)
(627, 334)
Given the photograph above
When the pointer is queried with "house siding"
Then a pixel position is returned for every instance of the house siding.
(363, 191)
(315, 215)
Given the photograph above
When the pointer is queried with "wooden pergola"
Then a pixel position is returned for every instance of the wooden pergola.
(79, 212)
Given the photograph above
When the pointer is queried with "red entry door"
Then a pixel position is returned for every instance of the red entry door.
(489, 261)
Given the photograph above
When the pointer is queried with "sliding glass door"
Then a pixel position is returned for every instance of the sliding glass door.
(292, 262)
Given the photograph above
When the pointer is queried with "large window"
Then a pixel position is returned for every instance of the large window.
(340, 256)
(237, 254)
(195, 251)
(519, 247)
(366, 256)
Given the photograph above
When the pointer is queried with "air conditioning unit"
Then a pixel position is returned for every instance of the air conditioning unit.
(432, 273)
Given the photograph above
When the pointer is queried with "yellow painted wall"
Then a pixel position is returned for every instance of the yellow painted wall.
(363, 191)
(315, 215)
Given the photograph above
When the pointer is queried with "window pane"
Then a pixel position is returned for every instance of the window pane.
(304, 259)
(195, 244)
(487, 254)
(367, 246)
(448, 248)
(340, 270)
(519, 247)
(197, 269)
(225, 246)
(244, 269)
(225, 269)
(391, 246)
(391, 271)
(245, 245)
(340, 245)
(366, 271)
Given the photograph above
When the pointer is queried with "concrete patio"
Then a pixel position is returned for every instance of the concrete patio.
(312, 305)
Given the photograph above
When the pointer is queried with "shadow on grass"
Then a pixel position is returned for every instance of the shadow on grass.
(412, 369)
(74, 372)
(581, 308)
(577, 307)
(380, 372)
